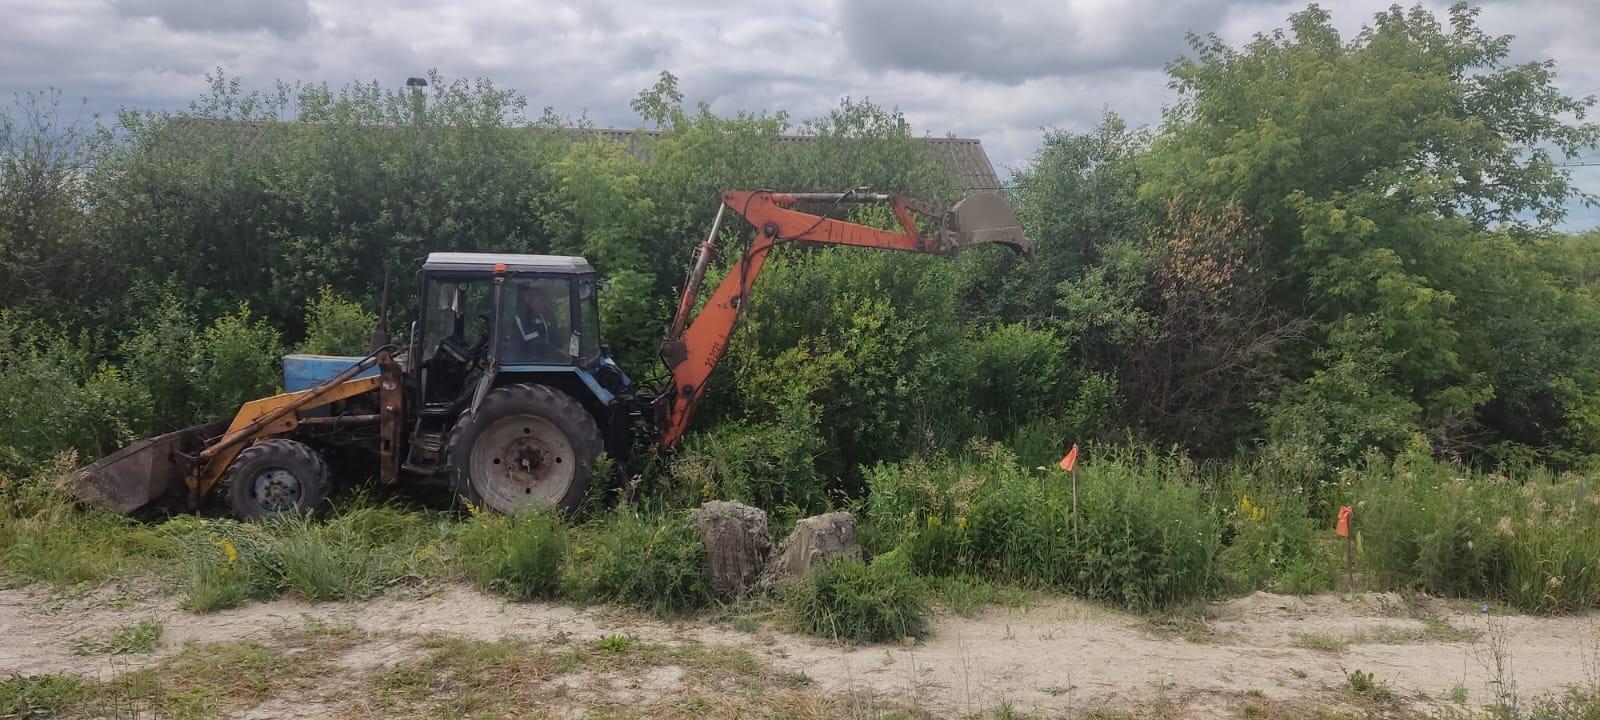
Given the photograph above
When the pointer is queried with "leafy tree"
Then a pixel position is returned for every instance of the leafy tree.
(1384, 170)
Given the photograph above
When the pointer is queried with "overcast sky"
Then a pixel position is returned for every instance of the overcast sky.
(997, 71)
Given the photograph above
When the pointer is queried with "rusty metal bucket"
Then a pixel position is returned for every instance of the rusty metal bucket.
(138, 474)
(985, 218)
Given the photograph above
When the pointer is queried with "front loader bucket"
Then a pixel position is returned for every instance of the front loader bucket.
(132, 477)
(985, 218)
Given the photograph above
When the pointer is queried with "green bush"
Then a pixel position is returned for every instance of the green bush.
(1014, 375)
(769, 465)
(846, 599)
(54, 398)
(1275, 544)
(653, 563)
(1144, 537)
(336, 325)
(521, 556)
(201, 375)
(237, 360)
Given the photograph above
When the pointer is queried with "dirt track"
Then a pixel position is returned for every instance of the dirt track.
(1053, 656)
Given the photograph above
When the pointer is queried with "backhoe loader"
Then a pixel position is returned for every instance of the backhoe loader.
(502, 389)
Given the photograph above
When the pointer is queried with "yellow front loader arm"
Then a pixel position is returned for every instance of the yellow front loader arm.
(134, 476)
(268, 417)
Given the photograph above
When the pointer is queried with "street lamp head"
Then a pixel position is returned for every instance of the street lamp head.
(416, 82)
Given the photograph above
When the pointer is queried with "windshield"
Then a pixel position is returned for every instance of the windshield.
(549, 320)
(536, 321)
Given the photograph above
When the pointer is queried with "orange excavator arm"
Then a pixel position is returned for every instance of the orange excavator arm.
(693, 346)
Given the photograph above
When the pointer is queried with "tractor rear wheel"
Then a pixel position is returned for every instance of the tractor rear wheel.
(277, 477)
(527, 447)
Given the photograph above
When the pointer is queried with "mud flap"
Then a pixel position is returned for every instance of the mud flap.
(138, 474)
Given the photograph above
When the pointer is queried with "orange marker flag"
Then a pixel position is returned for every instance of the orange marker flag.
(1071, 460)
(1343, 526)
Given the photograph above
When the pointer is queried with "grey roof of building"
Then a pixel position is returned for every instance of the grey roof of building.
(485, 262)
(965, 155)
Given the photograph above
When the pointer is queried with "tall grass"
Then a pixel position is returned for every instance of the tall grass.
(521, 556)
(652, 562)
(45, 537)
(352, 555)
(1150, 530)
(1141, 536)
(1533, 543)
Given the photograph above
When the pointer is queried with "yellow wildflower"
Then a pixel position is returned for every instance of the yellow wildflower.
(1250, 509)
(229, 550)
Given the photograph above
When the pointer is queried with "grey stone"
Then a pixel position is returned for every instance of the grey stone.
(814, 539)
(736, 541)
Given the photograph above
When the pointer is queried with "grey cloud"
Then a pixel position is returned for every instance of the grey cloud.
(1014, 41)
(995, 71)
(284, 18)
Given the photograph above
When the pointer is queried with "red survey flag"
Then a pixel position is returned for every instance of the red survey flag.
(1343, 526)
(1071, 460)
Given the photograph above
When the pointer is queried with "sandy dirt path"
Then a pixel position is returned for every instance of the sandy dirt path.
(1053, 656)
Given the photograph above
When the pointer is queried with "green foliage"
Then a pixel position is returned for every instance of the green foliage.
(53, 397)
(236, 360)
(1432, 526)
(201, 373)
(1015, 375)
(520, 556)
(41, 695)
(352, 555)
(652, 563)
(874, 363)
(768, 465)
(1143, 537)
(1395, 226)
(336, 325)
(1276, 543)
(846, 599)
(44, 537)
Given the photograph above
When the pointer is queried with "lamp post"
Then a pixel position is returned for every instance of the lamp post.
(416, 84)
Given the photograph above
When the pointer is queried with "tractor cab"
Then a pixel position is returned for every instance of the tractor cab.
(491, 320)
(517, 311)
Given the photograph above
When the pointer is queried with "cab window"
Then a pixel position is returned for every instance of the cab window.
(536, 321)
(458, 310)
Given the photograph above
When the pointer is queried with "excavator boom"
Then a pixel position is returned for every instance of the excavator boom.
(693, 346)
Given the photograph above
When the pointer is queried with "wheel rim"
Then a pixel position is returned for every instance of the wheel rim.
(520, 462)
(276, 490)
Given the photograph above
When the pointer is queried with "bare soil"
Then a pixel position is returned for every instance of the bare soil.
(1052, 656)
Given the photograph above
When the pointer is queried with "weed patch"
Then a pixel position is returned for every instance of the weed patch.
(141, 637)
(655, 564)
(1317, 641)
(521, 556)
(1142, 537)
(848, 600)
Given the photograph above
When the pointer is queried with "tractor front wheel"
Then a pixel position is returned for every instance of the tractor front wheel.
(527, 447)
(277, 477)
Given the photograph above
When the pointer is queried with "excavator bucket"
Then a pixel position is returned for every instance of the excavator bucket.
(138, 474)
(985, 218)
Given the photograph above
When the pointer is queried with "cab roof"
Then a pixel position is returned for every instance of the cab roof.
(485, 262)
